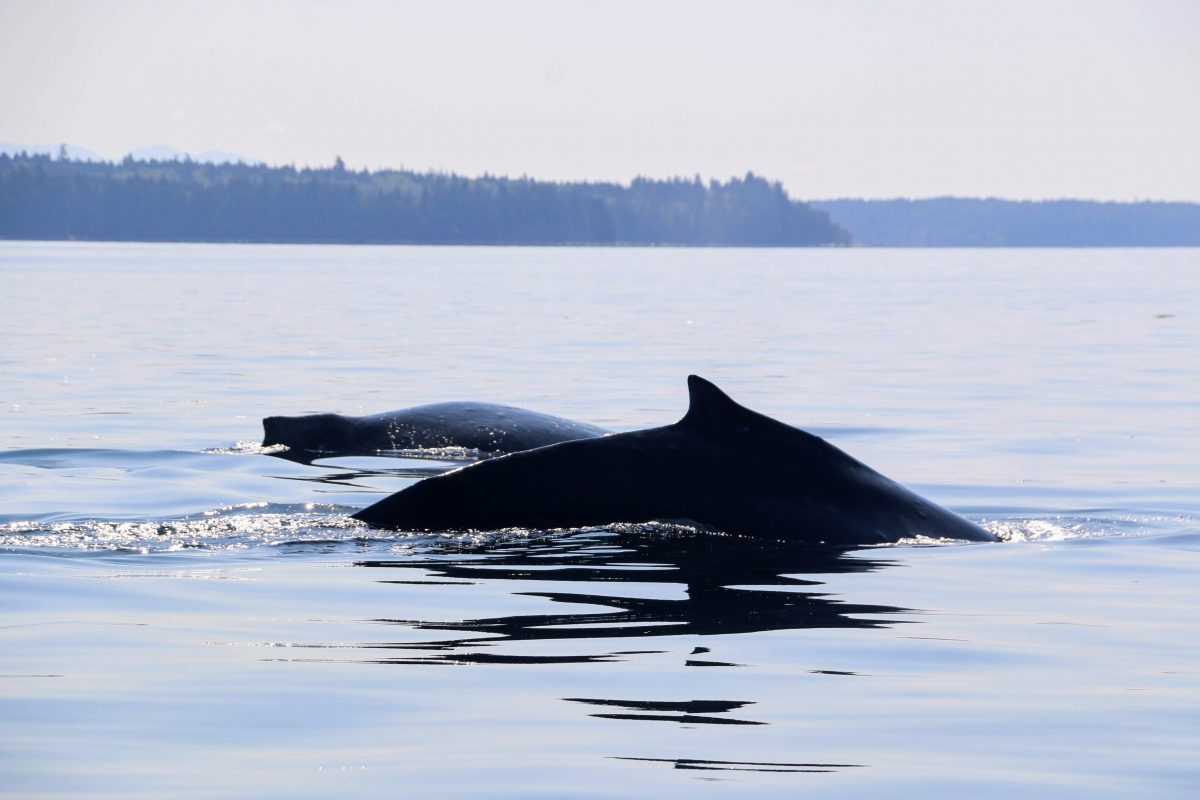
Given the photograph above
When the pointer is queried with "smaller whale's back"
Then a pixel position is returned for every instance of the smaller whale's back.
(483, 427)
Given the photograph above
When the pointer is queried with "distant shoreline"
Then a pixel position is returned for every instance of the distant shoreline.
(183, 201)
(991, 222)
(594, 245)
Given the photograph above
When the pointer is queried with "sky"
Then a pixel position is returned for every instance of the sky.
(835, 98)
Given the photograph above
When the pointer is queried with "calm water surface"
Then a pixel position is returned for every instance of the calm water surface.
(184, 615)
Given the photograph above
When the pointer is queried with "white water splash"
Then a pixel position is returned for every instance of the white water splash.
(246, 447)
(236, 527)
(1069, 527)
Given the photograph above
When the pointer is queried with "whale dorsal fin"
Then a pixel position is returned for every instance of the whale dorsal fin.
(708, 406)
(717, 414)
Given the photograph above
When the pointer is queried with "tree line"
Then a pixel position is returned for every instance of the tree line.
(175, 201)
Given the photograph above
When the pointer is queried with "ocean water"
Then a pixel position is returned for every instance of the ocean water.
(183, 614)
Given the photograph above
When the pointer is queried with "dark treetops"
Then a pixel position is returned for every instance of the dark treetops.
(58, 198)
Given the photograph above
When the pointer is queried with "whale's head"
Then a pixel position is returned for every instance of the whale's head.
(315, 432)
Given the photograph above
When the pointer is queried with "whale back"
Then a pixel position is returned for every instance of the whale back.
(315, 432)
(721, 466)
(482, 427)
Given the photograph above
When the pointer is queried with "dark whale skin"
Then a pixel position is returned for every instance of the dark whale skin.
(485, 427)
(722, 467)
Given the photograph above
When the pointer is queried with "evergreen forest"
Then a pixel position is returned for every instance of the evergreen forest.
(42, 197)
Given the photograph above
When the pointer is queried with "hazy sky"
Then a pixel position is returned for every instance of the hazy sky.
(835, 98)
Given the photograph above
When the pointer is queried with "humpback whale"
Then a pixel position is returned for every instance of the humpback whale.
(485, 427)
(721, 467)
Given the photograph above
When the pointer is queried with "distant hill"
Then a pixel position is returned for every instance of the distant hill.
(74, 152)
(185, 200)
(968, 222)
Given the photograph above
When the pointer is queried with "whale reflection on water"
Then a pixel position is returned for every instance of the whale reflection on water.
(730, 585)
(638, 587)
